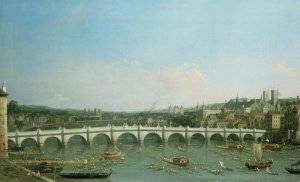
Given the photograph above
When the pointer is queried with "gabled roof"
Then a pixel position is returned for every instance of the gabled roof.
(232, 105)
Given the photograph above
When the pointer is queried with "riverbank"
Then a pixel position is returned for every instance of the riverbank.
(10, 172)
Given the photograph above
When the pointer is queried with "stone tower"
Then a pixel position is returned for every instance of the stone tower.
(274, 97)
(3, 122)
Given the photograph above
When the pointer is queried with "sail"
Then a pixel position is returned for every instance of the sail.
(222, 164)
(257, 151)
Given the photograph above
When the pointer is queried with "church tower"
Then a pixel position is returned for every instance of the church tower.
(3, 122)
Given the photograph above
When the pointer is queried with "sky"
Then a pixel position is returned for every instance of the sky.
(144, 55)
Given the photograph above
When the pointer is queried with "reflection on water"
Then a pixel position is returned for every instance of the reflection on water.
(142, 161)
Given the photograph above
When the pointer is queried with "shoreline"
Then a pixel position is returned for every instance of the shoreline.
(10, 171)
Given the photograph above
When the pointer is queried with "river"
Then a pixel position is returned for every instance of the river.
(142, 162)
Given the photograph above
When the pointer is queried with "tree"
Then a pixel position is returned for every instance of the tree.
(184, 120)
(19, 124)
(13, 107)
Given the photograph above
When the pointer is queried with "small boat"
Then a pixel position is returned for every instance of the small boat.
(224, 167)
(231, 147)
(259, 165)
(112, 154)
(257, 162)
(43, 167)
(76, 174)
(180, 161)
(294, 169)
(216, 171)
(273, 147)
(180, 148)
(270, 172)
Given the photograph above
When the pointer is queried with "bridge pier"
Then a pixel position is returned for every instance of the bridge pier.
(206, 137)
(240, 135)
(17, 139)
(139, 135)
(63, 144)
(224, 135)
(187, 141)
(112, 140)
(254, 135)
(38, 139)
(163, 135)
(88, 142)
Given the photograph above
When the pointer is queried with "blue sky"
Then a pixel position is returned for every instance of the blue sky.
(138, 55)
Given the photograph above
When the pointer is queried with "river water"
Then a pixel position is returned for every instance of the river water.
(142, 162)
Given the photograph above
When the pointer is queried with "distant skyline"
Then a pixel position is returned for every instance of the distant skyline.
(142, 55)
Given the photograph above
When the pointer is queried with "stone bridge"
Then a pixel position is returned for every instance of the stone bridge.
(113, 133)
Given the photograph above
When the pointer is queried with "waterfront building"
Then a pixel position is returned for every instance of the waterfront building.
(3, 122)
(273, 123)
(276, 118)
(295, 131)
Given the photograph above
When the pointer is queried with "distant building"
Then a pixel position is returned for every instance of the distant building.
(274, 97)
(276, 118)
(211, 109)
(265, 96)
(176, 110)
(256, 120)
(297, 127)
(93, 113)
(270, 104)
(242, 105)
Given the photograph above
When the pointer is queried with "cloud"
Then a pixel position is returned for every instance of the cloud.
(121, 86)
(282, 67)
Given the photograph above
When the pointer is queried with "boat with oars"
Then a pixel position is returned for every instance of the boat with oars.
(180, 161)
(294, 169)
(232, 146)
(272, 146)
(257, 162)
(111, 154)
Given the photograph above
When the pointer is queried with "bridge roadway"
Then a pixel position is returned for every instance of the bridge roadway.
(140, 133)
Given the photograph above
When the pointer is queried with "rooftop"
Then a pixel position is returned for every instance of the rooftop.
(2, 93)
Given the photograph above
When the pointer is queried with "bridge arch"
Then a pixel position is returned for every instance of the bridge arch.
(197, 138)
(11, 144)
(76, 141)
(175, 139)
(127, 138)
(29, 142)
(52, 144)
(152, 138)
(68, 137)
(100, 139)
(233, 137)
(248, 137)
(216, 137)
